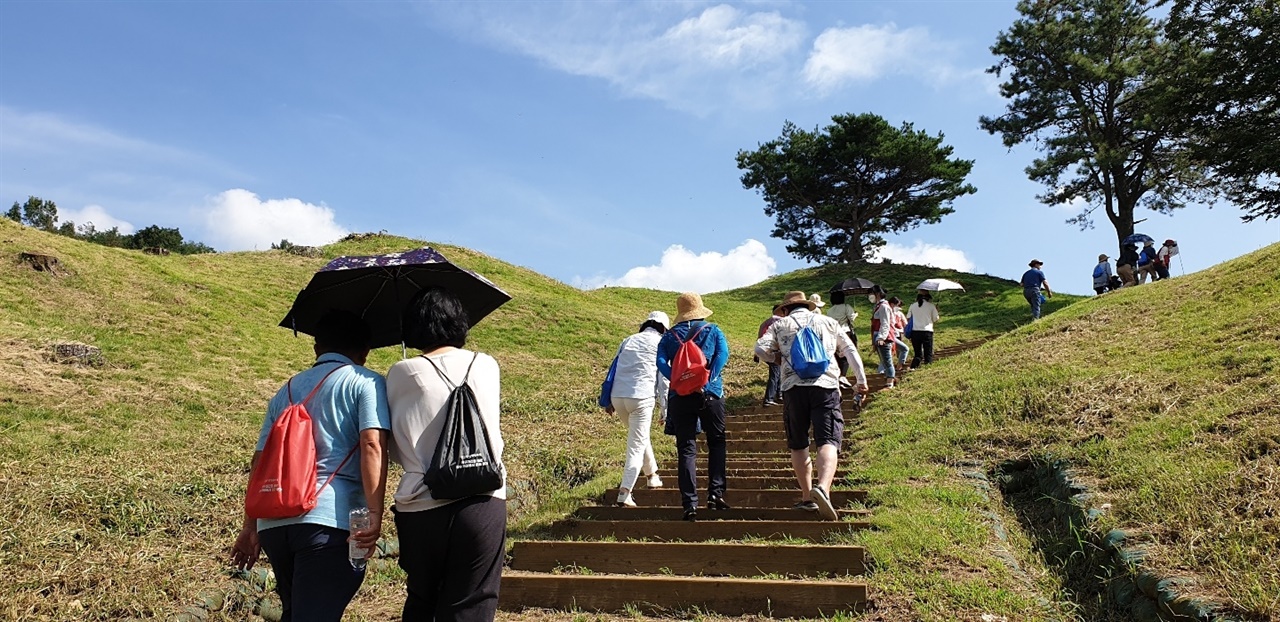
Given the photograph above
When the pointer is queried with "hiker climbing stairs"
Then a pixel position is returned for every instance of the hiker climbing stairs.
(617, 559)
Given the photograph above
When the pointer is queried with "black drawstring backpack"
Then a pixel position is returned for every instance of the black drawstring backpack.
(464, 464)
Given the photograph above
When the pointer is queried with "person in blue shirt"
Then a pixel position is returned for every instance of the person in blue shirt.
(705, 407)
(1032, 282)
(350, 422)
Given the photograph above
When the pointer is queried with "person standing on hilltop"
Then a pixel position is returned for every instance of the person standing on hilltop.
(772, 392)
(1147, 263)
(812, 401)
(637, 386)
(1127, 265)
(347, 404)
(1102, 274)
(1033, 281)
(1164, 257)
(696, 397)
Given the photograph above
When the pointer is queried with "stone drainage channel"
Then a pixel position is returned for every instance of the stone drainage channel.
(1102, 570)
(761, 557)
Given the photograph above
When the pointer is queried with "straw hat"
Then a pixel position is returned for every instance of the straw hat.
(689, 307)
(795, 298)
(816, 299)
(661, 318)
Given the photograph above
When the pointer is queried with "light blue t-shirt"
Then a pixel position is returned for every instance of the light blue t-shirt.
(351, 400)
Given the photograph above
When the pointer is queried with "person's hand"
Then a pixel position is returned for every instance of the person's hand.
(609, 409)
(367, 539)
(862, 389)
(244, 553)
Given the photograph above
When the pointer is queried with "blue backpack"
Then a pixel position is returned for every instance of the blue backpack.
(808, 356)
(1098, 271)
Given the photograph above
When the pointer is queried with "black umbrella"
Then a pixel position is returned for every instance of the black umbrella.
(853, 286)
(377, 287)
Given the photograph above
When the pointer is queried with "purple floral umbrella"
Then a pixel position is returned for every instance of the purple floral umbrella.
(377, 287)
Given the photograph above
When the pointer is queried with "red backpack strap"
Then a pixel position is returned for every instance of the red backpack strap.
(308, 399)
(317, 387)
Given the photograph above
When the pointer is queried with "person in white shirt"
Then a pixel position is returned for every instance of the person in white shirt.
(923, 314)
(451, 550)
(811, 402)
(637, 386)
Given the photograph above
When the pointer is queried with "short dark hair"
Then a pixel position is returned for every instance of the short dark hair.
(341, 330)
(792, 307)
(435, 317)
(895, 301)
(654, 324)
(837, 298)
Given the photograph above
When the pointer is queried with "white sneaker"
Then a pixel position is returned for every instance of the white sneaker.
(625, 500)
(655, 481)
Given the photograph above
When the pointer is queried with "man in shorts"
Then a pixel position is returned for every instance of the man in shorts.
(813, 402)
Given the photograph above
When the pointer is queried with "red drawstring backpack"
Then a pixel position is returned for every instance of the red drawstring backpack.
(689, 369)
(283, 485)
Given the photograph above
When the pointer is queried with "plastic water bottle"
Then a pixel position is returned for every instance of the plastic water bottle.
(360, 520)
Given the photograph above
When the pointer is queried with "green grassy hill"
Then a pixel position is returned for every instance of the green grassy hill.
(121, 484)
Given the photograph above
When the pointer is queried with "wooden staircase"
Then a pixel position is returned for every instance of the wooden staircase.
(761, 557)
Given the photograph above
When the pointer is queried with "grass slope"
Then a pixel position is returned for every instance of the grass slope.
(1163, 398)
(120, 485)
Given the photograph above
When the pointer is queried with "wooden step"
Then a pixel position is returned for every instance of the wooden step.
(781, 471)
(745, 498)
(613, 512)
(664, 595)
(776, 460)
(702, 530)
(688, 558)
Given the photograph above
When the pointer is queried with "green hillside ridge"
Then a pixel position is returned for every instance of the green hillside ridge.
(122, 483)
(135, 470)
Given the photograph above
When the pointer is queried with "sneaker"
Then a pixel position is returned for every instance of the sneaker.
(808, 506)
(654, 481)
(716, 503)
(772, 403)
(625, 500)
(889, 386)
(824, 504)
(691, 515)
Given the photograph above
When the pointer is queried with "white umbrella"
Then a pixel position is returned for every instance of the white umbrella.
(938, 285)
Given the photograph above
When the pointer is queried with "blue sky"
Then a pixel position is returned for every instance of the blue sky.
(591, 141)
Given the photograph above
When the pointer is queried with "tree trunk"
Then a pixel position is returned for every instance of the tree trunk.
(1123, 220)
(856, 251)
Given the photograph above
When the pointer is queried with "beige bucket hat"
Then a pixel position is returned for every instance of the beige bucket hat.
(689, 307)
(795, 298)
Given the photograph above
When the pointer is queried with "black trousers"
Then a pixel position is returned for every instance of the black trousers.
(453, 558)
(686, 411)
(314, 576)
(922, 345)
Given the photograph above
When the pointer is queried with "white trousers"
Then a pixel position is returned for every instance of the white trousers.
(637, 415)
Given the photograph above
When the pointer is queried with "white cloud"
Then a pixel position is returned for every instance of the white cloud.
(719, 57)
(860, 54)
(96, 215)
(924, 254)
(238, 220)
(681, 270)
